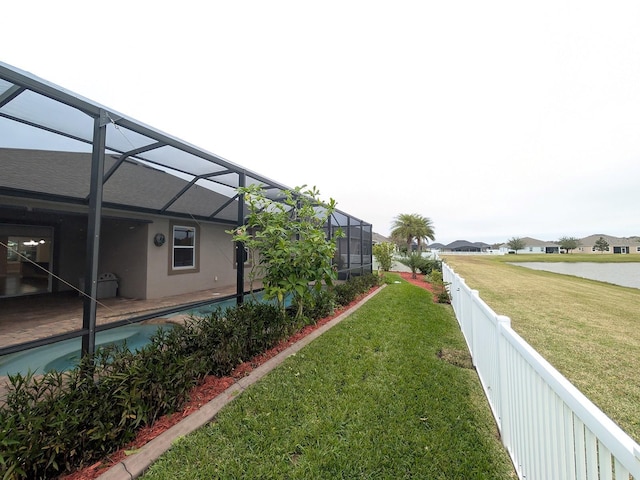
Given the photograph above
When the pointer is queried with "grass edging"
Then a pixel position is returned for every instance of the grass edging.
(135, 465)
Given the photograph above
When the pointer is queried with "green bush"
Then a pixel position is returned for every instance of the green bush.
(435, 277)
(439, 286)
(323, 304)
(347, 292)
(66, 419)
(383, 252)
(61, 421)
(429, 265)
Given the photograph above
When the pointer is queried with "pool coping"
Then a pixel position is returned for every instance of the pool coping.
(136, 464)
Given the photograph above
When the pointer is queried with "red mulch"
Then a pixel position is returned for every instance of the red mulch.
(210, 388)
(418, 281)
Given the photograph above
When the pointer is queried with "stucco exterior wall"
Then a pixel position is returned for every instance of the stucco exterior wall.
(123, 251)
(215, 259)
(72, 244)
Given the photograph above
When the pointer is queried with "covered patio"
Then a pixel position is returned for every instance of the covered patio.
(35, 320)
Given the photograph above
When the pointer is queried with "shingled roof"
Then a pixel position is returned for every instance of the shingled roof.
(43, 126)
(63, 176)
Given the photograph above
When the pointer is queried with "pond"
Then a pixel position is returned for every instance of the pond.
(623, 274)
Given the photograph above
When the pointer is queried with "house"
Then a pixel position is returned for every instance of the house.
(532, 245)
(152, 255)
(620, 245)
(462, 246)
(378, 238)
(95, 201)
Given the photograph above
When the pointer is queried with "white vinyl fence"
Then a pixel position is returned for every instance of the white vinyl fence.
(550, 429)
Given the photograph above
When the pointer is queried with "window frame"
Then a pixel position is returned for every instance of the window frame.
(195, 267)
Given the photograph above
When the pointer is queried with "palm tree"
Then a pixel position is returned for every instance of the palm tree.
(410, 226)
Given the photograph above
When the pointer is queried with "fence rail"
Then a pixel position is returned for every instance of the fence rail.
(549, 428)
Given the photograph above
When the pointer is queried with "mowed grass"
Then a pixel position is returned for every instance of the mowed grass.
(369, 399)
(570, 258)
(588, 330)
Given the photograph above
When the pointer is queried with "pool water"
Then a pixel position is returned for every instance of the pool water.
(224, 304)
(64, 355)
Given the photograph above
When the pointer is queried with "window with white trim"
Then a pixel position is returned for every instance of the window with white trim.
(183, 255)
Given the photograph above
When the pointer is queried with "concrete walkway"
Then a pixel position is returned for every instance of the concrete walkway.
(135, 465)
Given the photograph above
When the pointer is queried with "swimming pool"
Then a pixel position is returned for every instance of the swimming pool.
(206, 309)
(64, 355)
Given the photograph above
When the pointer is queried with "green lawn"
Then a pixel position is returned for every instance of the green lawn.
(568, 258)
(371, 398)
(588, 330)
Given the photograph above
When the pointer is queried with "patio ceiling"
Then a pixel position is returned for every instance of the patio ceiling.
(43, 126)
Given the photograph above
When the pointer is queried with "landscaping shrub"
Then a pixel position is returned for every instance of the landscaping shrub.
(429, 265)
(383, 252)
(61, 421)
(347, 292)
(322, 305)
(418, 263)
(247, 330)
(439, 286)
(65, 419)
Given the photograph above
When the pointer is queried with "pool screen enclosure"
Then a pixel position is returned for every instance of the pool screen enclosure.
(119, 160)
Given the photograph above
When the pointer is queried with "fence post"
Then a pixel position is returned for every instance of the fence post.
(465, 300)
(504, 422)
(473, 322)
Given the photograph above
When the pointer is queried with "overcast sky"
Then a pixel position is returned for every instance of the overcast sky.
(493, 118)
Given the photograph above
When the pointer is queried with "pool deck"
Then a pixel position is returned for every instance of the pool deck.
(23, 319)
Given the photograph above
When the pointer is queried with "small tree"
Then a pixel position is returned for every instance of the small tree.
(516, 243)
(414, 261)
(568, 243)
(384, 254)
(293, 252)
(601, 245)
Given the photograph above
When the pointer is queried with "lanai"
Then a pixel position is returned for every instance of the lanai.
(119, 160)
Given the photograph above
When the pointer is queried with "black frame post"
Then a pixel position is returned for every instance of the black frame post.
(93, 235)
(240, 257)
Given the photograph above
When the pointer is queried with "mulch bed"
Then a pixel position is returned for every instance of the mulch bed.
(418, 281)
(210, 388)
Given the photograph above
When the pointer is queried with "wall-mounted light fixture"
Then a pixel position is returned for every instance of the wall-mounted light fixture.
(158, 239)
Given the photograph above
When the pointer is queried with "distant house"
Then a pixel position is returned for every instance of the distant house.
(616, 245)
(533, 245)
(463, 246)
(377, 238)
(620, 245)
